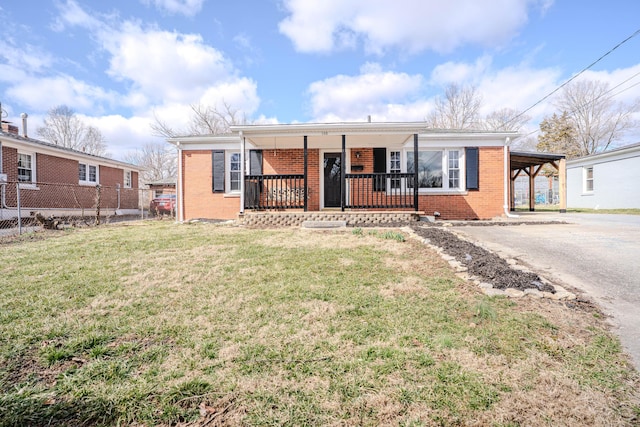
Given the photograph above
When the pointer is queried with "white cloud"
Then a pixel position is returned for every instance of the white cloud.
(386, 95)
(167, 71)
(71, 14)
(454, 72)
(184, 7)
(59, 90)
(408, 25)
(123, 134)
(164, 65)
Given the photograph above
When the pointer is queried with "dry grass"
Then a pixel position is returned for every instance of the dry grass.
(213, 325)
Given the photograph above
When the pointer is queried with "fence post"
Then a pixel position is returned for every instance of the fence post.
(19, 209)
(98, 204)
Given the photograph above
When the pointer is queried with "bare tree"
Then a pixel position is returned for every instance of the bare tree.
(62, 127)
(158, 160)
(205, 120)
(505, 119)
(598, 120)
(458, 109)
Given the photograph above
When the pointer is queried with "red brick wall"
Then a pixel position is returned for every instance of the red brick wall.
(10, 163)
(56, 169)
(291, 161)
(365, 160)
(111, 177)
(482, 204)
(199, 199)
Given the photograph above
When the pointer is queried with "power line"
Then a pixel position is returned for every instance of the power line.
(575, 76)
(596, 99)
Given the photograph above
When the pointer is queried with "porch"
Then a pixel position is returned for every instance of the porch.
(348, 191)
(327, 171)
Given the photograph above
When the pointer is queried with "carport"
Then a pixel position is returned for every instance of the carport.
(531, 164)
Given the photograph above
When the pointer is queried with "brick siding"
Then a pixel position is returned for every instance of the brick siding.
(485, 203)
(58, 185)
(201, 202)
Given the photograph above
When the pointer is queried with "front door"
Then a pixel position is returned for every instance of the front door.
(332, 167)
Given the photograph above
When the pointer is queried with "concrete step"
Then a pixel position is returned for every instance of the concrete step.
(324, 224)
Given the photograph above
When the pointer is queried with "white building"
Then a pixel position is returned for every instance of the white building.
(606, 180)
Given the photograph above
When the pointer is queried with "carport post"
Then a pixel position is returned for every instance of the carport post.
(562, 184)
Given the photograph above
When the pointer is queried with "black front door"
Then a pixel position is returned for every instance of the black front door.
(332, 167)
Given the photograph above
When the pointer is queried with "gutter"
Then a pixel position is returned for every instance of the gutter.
(507, 177)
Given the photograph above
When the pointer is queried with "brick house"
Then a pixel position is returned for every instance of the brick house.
(351, 168)
(61, 181)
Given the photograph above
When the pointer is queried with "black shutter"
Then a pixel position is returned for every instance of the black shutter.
(217, 164)
(379, 166)
(255, 162)
(472, 168)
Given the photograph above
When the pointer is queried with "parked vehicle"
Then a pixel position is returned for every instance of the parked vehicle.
(163, 204)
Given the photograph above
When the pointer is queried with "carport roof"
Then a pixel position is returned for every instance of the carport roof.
(523, 159)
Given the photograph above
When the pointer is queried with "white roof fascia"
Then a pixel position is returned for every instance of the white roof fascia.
(36, 147)
(209, 142)
(622, 153)
(448, 137)
(324, 129)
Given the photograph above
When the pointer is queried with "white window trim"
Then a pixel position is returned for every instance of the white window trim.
(32, 185)
(445, 169)
(87, 182)
(124, 179)
(227, 172)
(585, 179)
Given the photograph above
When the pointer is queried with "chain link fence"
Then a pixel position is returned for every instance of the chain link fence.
(27, 207)
(547, 191)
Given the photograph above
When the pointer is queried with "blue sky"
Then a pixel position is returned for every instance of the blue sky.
(118, 63)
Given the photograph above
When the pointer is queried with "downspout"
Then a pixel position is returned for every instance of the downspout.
(243, 146)
(507, 177)
(180, 193)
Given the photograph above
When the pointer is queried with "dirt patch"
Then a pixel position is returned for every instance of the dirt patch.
(481, 262)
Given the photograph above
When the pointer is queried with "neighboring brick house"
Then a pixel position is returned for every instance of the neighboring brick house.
(59, 180)
(162, 186)
(350, 167)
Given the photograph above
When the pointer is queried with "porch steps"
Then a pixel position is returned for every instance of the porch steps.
(327, 219)
(324, 224)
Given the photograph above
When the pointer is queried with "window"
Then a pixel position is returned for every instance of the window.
(454, 169)
(226, 171)
(26, 168)
(395, 166)
(127, 179)
(87, 174)
(437, 169)
(234, 172)
(588, 179)
(429, 166)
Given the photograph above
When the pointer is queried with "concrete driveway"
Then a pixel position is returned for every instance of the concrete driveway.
(598, 254)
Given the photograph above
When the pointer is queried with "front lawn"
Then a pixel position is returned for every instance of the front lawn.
(155, 323)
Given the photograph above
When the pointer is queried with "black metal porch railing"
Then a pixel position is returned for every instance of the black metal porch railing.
(380, 191)
(274, 192)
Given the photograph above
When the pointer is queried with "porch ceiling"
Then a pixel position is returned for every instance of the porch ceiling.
(330, 142)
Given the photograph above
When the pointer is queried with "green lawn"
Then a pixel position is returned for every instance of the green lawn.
(161, 324)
